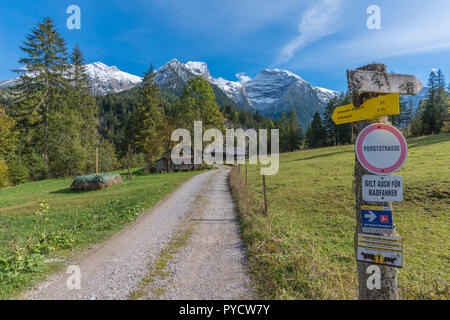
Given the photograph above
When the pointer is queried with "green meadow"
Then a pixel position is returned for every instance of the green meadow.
(304, 248)
(44, 224)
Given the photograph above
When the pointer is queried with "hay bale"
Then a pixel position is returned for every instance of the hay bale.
(95, 182)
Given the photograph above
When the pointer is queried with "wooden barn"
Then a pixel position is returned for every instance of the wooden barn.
(166, 164)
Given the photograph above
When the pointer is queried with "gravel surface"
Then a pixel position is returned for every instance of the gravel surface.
(210, 266)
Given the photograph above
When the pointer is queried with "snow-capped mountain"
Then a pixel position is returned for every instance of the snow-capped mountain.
(105, 79)
(271, 92)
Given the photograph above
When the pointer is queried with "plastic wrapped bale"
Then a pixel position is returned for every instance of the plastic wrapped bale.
(95, 182)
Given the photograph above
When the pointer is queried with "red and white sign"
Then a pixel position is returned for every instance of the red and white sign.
(381, 149)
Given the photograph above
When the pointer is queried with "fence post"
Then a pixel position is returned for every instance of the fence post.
(266, 209)
(246, 175)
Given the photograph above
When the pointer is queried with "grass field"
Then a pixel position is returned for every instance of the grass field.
(304, 249)
(35, 241)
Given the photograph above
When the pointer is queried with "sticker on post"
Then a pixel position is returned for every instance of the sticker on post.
(374, 249)
(376, 219)
(382, 188)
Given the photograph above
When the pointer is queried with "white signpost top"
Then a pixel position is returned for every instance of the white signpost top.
(381, 149)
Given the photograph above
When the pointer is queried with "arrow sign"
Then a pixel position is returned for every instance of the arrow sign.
(380, 82)
(374, 108)
(376, 219)
(371, 216)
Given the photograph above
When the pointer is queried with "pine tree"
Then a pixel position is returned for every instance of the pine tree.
(18, 173)
(78, 74)
(316, 135)
(401, 120)
(41, 85)
(85, 108)
(328, 123)
(148, 120)
(434, 110)
(295, 133)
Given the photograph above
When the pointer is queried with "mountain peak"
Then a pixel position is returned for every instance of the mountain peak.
(107, 79)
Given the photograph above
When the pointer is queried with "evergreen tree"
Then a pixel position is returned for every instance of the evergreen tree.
(18, 173)
(316, 135)
(84, 109)
(41, 86)
(328, 123)
(435, 109)
(148, 120)
(401, 120)
(295, 132)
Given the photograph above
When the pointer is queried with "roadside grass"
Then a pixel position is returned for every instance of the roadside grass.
(304, 248)
(35, 242)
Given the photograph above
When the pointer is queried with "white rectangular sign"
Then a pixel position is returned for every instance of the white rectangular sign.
(382, 188)
(380, 250)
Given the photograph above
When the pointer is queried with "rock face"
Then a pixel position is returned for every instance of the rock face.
(273, 91)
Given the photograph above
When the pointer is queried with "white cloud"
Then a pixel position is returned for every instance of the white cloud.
(242, 77)
(316, 23)
(418, 30)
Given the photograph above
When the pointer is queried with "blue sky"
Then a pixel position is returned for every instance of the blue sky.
(318, 40)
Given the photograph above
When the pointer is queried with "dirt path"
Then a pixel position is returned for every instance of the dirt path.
(209, 265)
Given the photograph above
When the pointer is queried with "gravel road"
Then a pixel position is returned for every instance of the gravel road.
(210, 266)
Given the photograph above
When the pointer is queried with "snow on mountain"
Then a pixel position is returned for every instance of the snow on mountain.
(272, 91)
(200, 69)
(106, 79)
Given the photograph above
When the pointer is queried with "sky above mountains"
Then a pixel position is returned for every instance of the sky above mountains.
(318, 40)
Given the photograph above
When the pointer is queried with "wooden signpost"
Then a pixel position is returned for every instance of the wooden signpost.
(367, 84)
(371, 109)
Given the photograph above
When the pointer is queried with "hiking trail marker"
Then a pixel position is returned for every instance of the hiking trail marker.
(381, 149)
(376, 219)
(380, 250)
(370, 109)
(382, 188)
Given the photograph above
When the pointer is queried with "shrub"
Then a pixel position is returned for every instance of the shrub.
(18, 173)
(3, 173)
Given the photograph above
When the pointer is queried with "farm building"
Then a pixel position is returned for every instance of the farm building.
(166, 164)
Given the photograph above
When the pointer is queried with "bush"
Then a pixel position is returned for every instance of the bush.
(3, 173)
(107, 160)
(18, 173)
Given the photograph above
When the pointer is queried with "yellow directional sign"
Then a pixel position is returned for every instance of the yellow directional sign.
(374, 108)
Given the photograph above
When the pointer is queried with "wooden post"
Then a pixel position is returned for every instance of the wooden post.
(96, 161)
(246, 175)
(388, 290)
(366, 83)
(266, 209)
